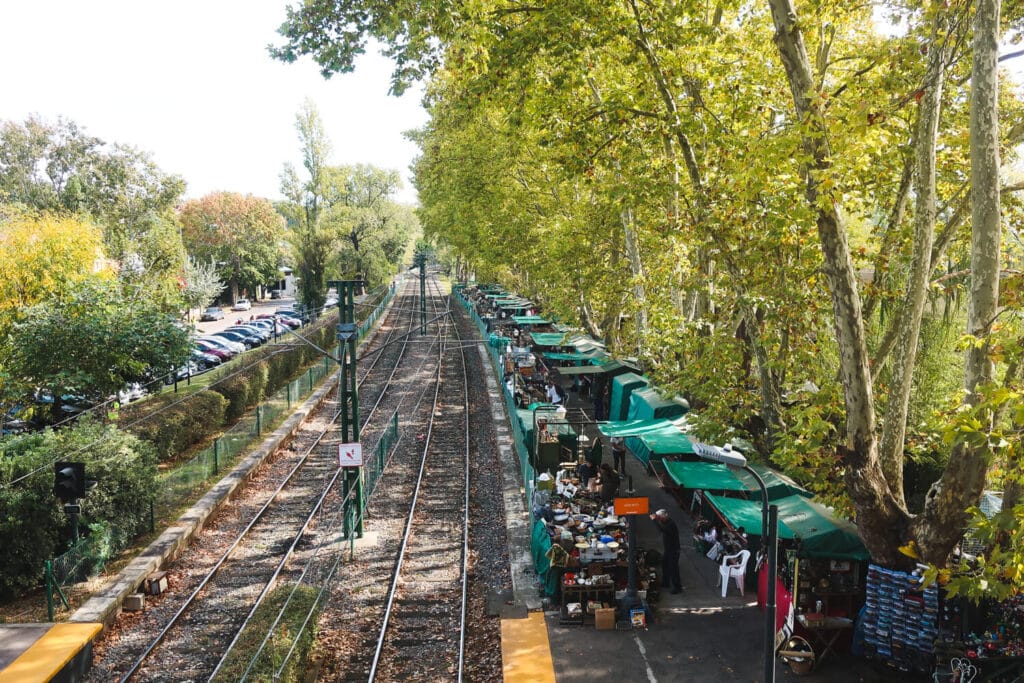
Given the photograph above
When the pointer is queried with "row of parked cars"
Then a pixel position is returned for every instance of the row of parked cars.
(210, 350)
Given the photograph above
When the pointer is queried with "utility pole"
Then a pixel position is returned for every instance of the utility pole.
(421, 263)
(348, 395)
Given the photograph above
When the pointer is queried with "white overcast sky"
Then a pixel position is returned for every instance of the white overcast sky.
(191, 83)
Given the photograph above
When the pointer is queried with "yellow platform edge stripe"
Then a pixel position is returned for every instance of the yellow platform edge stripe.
(526, 650)
(45, 658)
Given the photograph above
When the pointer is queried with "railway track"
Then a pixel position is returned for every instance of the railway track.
(422, 634)
(421, 378)
(262, 537)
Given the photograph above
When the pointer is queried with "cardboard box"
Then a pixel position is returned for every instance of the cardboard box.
(604, 619)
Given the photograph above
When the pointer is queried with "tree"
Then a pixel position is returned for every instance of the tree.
(93, 342)
(43, 257)
(202, 284)
(750, 231)
(306, 200)
(242, 234)
(373, 230)
(58, 167)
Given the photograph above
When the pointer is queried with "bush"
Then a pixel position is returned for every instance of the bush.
(32, 522)
(176, 423)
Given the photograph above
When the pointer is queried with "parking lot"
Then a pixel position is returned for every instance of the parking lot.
(267, 306)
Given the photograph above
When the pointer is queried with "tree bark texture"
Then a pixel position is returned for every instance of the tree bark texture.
(941, 524)
(894, 429)
(881, 521)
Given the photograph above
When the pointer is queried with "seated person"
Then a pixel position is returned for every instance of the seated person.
(585, 471)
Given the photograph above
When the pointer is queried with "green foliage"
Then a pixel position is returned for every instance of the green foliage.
(93, 342)
(58, 167)
(32, 523)
(240, 235)
(178, 422)
(301, 609)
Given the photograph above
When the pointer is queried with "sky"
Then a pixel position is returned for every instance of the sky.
(191, 83)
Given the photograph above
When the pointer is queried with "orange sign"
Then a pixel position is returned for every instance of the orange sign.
(631, 506)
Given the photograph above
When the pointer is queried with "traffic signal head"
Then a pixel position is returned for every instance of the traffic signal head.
(69, 480)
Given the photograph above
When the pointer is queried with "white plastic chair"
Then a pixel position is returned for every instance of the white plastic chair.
(737, 571)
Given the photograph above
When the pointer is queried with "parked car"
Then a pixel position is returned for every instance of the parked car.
(237, 337)
(272, 326)
(212, 313)
(229, 344)
(132, 392)
(204, 360)
(276, 294)
(241, 305)
(259, 333)
(283, 320)
(206, 346)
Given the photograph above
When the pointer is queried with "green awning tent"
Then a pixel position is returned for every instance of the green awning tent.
(657, 443)
(635, 427)
(548, 338)
(713, 476)
(575, 357)
(648, 403)
(820, 533)
(530, 320)
(622, 386)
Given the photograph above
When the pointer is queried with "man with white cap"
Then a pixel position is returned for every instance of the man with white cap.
(670, 553)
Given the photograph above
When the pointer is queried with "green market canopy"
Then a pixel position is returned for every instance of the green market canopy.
(530, 320)
(647, 403)
(622, 386)
(657, 443)
(819, 532)
(713, 476)
(639, 427)
(576, 357)
(549, 338)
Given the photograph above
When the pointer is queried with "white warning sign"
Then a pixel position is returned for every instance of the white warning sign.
(350, 454)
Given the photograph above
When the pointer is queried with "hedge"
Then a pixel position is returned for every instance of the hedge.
(33, 525)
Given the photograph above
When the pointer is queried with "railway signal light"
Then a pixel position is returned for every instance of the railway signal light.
(69, 480)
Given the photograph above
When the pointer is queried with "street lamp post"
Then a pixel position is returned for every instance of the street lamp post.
(769, 544)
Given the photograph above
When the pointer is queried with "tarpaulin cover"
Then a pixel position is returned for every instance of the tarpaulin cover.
(622, 386)
(549, 338)
(713, 476)
(647, 403)
(577, 357)
(530, 320)
(658, 443)
(634, 427)
(540, 543)
(821, 533)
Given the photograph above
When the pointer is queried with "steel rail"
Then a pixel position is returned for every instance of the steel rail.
(141, 659)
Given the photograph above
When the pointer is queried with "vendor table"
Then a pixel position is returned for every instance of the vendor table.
(826, 632)
(604, 593)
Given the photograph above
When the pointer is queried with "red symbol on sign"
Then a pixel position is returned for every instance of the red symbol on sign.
(350, 455)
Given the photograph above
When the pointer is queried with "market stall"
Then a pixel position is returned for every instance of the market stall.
(580, 540)
(647, 403)
(658, 444)
(622, 387)
(694, 479)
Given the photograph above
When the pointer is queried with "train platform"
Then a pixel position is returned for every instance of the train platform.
(46, 652)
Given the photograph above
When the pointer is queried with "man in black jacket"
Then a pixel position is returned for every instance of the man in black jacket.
(670, 555)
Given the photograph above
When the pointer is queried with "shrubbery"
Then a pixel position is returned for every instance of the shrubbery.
(32, 522)
(182, 421)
